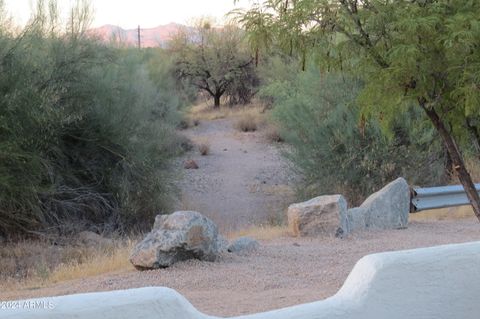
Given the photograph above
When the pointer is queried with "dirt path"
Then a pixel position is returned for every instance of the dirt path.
(242, 181)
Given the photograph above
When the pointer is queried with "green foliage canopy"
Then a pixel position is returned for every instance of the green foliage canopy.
(409, 53)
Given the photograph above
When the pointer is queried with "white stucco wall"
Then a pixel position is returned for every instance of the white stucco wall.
(437, 282)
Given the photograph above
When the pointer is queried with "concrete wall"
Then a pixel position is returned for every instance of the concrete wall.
(438, 282)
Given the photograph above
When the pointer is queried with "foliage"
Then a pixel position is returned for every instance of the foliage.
(408, 53)
(243, 87)
(405, 51)
(85, 134)
(335, 151)
(215, 61)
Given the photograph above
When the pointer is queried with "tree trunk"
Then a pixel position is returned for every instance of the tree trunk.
(448, 164)
(457, 160)
(216, 101)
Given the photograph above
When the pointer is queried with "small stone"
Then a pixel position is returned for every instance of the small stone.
(243, 245)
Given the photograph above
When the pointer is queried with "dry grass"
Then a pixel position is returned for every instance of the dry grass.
(260, 232)
(204, 149)
(246, 123)
(33, 264)
(96, 264)
(272, 133)
(203, 111)
(451, 213)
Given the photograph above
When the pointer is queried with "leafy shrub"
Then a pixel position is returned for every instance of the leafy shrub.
(337, 150)
(86, 135)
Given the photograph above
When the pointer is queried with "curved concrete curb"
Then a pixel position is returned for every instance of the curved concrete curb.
(437, 282)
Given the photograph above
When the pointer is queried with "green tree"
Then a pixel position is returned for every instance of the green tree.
(212, 59)
(415, 53)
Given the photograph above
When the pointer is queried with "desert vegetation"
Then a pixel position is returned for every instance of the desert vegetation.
(321, 97)
(86, 129)
(394, 83)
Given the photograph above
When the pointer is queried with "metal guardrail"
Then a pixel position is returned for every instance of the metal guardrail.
(439, 197)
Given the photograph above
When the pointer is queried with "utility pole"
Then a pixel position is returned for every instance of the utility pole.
(139, 38)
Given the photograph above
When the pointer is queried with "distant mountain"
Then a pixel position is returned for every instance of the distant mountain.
(153, 37)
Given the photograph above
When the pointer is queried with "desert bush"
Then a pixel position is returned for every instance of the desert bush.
(204, 149)
(337, 151)
(272, 133)
(246, 123)
(184, 123)
(86, 136)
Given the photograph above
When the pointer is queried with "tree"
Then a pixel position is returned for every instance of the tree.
(211, 58)
(415, 53)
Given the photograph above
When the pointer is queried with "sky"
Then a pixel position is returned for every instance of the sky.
(128, 14)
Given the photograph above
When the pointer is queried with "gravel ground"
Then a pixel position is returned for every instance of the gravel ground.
(245, 181)
(242, 181)
(283, 272)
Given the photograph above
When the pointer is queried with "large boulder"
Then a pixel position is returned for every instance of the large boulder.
(180, 236)
(320, 215)
(386, 209)
(222, 244)
(243, 245)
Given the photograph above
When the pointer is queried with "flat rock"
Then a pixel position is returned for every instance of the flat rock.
(320, 215)
(180, 236)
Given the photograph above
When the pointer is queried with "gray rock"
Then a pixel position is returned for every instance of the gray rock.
(356, 220)
(386, 209)
(319, 215)
(222, 244)
(180, 236)
(243, 245)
